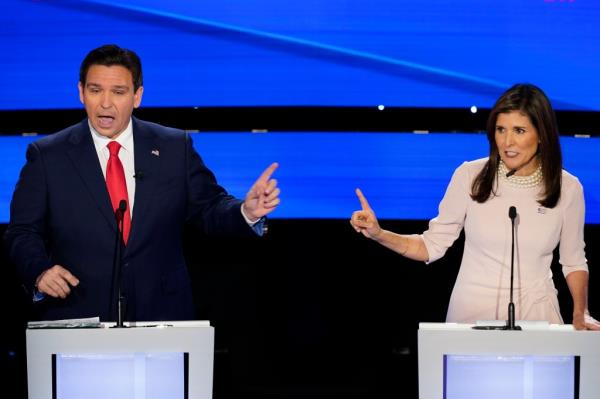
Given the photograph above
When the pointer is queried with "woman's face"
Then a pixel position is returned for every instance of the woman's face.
(517, 141)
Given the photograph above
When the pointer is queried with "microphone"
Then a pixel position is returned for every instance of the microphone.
(139, 175)
(512, 214)
(510, 323)
(120, 214)
(117, 264)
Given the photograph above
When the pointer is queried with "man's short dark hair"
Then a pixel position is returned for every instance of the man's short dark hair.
(109, 55)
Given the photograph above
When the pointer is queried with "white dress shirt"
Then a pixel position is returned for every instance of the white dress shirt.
(125, 139)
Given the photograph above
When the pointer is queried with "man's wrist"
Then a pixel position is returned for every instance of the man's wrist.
(247, 217)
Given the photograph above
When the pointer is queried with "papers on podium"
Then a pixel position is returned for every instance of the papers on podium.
(90, 322)
(94, 322)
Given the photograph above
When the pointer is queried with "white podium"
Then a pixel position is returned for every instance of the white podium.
(151, 360)
(546, 357)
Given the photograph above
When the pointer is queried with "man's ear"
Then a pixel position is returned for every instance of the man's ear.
(80, 87)
(137, 97)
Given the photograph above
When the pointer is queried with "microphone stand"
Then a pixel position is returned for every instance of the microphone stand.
(119, 214)
(510, 323)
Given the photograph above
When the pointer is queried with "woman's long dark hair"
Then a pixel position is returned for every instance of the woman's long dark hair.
(531, 101)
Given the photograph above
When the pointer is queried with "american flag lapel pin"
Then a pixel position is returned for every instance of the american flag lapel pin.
(155, 153)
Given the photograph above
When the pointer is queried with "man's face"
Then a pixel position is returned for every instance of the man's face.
(109, 98)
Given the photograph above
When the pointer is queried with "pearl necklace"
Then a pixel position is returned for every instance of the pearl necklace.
(533, 180)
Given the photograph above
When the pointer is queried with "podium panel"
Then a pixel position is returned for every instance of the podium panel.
(150, 360)
(554, 361)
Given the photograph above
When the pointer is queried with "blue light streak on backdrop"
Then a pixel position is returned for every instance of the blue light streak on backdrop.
(404, 175)
(434, 53)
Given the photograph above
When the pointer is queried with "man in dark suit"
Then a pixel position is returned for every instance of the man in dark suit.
(62, 234)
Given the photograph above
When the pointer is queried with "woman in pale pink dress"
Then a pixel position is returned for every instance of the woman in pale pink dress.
(524, 170)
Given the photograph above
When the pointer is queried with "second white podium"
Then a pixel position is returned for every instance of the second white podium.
(555, 359)
(170, 359)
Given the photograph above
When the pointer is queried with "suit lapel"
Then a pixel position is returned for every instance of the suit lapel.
(85, 161)
(147, 162)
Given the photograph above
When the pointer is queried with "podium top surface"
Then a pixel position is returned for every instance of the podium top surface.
(526, 325)
(94, 323)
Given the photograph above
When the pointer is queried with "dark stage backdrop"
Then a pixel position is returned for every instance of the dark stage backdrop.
(324, 313)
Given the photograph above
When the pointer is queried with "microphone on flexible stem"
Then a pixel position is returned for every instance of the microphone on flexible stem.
(120, 216)
(510, 323)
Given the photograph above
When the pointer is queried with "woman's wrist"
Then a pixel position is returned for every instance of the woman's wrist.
(378, 236)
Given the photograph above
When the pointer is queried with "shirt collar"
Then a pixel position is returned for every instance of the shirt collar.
(125, 138)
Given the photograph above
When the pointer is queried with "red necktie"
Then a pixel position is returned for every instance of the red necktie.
(117, 188)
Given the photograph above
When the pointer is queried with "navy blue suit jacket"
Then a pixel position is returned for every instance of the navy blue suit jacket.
(61, 214)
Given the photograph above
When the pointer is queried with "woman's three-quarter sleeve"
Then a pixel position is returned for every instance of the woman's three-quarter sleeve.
(445, 228)
(571, 247)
